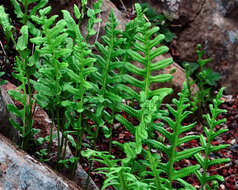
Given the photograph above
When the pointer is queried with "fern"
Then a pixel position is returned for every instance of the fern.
(175, 141)
(24, 13)
(144, 51)
(52, 46)
(79, 70)
(205, 79)
(24, 71)
(106, 77)
(118, 175)
(6, 25)
(210, 135)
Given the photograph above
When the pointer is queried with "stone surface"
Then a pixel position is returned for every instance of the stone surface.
(107, 7)
(176, 84)
(179, 78)
(216, 28)
(212, 23)
(183, 10)
(43, 122)
(20, 171)
(5, 126)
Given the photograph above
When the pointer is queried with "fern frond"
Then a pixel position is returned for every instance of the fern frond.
(205, 162)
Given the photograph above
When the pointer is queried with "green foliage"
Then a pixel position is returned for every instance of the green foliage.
(182, 104)
(106, 78)
(159, 20)
(146, 46)
(2, 82)
(206, 141)
(42, 154)
(79, 83)
(6, 25)
(24, 69)
(205, 78)
(23, 13)
(92, 15)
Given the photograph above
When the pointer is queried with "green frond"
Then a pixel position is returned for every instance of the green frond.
(161, 92)
(171, 110)
(160, 78)
(159, 51)
(163, 131)
(133, 81)
(187, 139)
(161, 64)
(158, 145)
(187, 127)
(184, 172)
(171, 123)
(219, 132)
(218, 161)
(136, 56)
(156, 41)
(214, 177)
(131, 93)
(134, 69)
(187, 153)
(219, 147)
(199, 158)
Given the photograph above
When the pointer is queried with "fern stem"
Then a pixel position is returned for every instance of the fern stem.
(56, 66)
(122, 180)
(25, 17)
(23, 145)
(51, 129)
(148, 66)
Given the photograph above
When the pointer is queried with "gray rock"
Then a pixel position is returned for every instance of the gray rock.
(5, 126)
(81, 176)
(20, 171)
(183, 10)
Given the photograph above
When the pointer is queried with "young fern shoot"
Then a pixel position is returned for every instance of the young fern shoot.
(210, 134)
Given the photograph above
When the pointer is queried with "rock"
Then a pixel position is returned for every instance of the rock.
(216, 28)
(179, 77)
(170, 8)
(43, 122)
(107, 7)
(213, 23)
(20, 171)
(183, 10)
(42, 119)
(5, 126)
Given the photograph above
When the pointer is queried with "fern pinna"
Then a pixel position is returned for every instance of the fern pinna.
(179, 114)
(144, 51)
(206, 142)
